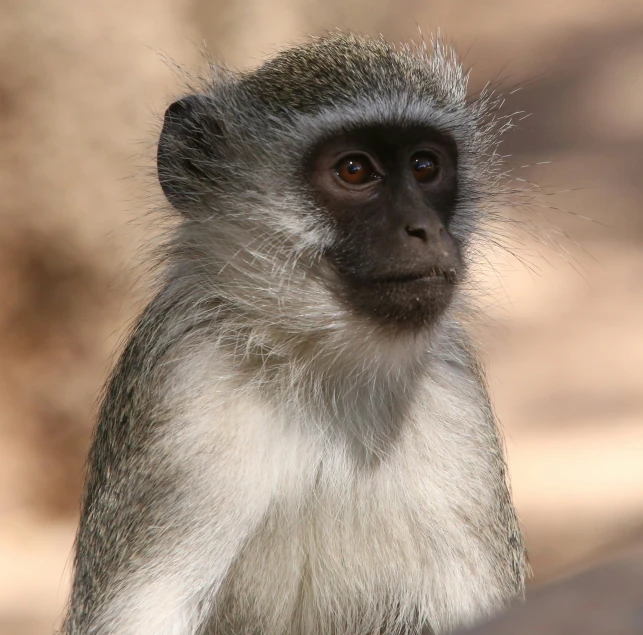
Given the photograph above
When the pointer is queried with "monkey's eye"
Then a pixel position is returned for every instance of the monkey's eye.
(356, 170)
(425, 167)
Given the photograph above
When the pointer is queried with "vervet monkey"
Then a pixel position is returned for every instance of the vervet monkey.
(297, 438)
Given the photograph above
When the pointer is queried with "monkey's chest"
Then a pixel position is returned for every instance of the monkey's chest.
(360, 557)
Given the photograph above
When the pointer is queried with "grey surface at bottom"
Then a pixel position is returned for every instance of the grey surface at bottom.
(604, 600)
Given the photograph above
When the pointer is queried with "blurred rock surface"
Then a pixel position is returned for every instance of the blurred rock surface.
(604, 600)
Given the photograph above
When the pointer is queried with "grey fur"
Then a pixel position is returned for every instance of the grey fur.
(265, 461)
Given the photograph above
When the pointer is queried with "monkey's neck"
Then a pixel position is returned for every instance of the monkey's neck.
(352, 377)
(359, 387)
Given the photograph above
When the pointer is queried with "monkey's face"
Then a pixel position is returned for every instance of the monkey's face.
(390, 193)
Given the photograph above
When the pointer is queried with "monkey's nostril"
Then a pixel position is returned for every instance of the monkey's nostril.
(417, 232)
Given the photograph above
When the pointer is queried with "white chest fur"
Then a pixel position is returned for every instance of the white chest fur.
(347, 545)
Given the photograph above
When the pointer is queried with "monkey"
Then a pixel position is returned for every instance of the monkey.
(298, 437)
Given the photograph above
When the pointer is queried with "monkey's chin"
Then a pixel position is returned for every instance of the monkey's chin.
(404, 303)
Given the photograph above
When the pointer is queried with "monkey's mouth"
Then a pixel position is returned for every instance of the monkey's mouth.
(408, 299)
(435, 275)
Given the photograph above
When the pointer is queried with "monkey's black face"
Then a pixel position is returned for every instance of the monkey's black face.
(391, 193)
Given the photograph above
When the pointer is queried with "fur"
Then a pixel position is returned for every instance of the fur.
(265, 461)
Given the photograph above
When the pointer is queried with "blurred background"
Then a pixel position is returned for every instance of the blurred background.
(82, 86)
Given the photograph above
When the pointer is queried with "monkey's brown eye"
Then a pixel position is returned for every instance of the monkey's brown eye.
(425, 167)
(355, 170)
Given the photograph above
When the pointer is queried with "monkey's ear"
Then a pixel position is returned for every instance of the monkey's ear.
(188, 144)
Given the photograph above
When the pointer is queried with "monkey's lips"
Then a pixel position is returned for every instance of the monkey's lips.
(406, 299)
(431, 276)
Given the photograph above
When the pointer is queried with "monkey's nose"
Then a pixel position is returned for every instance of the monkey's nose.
(425, 231)
(417, 232)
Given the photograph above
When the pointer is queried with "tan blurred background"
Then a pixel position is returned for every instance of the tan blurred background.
(82, 84)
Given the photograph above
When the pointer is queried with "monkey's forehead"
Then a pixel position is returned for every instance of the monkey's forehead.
(341, 68)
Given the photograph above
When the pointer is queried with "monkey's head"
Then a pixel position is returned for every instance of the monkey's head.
(342, 178)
